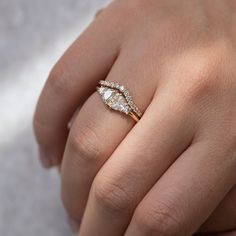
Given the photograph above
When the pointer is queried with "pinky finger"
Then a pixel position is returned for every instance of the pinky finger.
(186, 194)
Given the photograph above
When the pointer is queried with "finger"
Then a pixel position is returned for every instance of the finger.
(138, 162)
(96, 133)
(71, 81)
(224, 216)
(187, 193)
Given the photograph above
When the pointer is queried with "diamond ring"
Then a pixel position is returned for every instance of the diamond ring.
(118, 98)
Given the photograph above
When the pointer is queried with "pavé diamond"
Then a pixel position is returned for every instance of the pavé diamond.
(122, 88)
(126, 92)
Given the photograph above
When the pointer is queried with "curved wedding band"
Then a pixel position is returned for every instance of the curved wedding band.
(118, 98)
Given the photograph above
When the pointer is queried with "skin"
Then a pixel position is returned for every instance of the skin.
(174, 172)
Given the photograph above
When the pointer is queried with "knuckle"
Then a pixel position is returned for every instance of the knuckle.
(207, 75)
(85, 144)
(112, 197)
(159, 220)
(202, 82)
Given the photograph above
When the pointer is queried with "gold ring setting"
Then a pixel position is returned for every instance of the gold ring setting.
(118, 98)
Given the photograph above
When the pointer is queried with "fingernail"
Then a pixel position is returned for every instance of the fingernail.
(74, 225)
(45, 160)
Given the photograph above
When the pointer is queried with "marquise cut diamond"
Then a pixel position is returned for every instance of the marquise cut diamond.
(114, 99)
(117, 97)
(108, 94)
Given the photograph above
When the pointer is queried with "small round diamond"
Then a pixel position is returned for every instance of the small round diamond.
(126, 92)
(122, 88)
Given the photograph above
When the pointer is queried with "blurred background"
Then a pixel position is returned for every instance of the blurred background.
(33, 35)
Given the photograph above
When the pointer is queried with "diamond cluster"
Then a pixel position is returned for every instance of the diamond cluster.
(122, 91)
(114, 99)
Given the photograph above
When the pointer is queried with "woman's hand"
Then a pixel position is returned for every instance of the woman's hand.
(167, 174)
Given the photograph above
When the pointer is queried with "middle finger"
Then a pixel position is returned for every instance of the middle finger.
(95, 134)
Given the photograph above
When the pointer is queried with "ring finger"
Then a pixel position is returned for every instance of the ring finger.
(95, 134)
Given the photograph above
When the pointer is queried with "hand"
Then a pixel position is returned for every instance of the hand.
(167, 174)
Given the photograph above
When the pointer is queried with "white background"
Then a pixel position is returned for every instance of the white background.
(33, 35)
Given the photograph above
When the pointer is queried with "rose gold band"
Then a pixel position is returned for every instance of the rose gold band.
(118, 98)
(135, 117)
